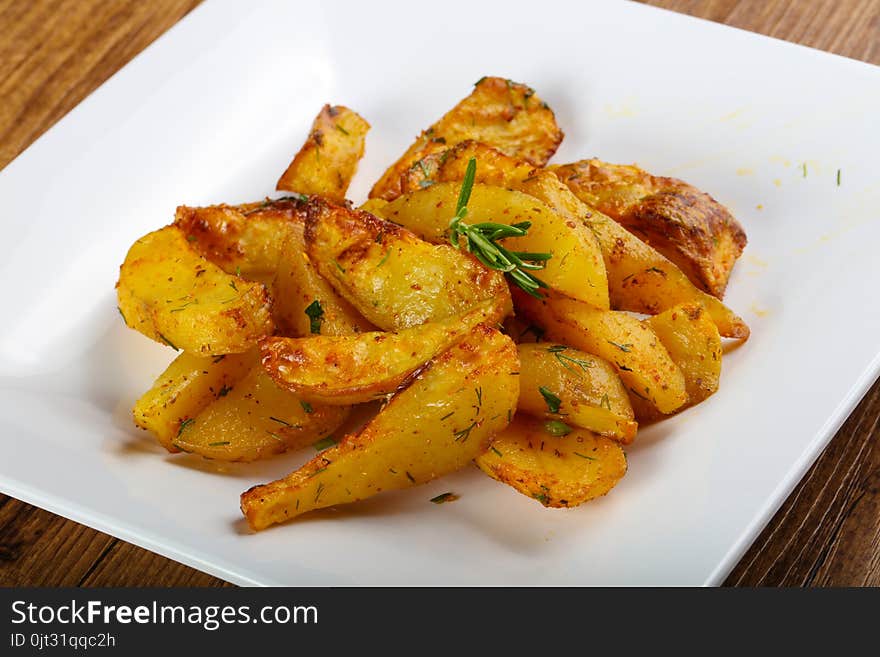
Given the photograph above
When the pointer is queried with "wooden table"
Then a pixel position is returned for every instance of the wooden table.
(53, 53)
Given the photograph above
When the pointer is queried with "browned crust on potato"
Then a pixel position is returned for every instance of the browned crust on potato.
(499, 112)
(688, 226)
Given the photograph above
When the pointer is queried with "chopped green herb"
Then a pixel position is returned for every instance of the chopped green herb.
(324, 443)
(565, 360)
(623, 347)
(319, 490)
(316, 315)
(299, 198)
(275, 436)
(838, 177)
(805, 169)
(168, 342)
(410, 477)
(121, 315)
(232, 285)
(584, 456)
(225, 390)
(342, 130)
(557, 428)
(444, 497)
(284, 422)
(306, 406)
(339, 267)
(424, 184)
(542, 498)
(384, 258)
(217, 444)
(217, 359)
(464, 433)
(191, 238)
(553, 402)
(188, 422)
(605, 402)
(500, 455)
(448, 415)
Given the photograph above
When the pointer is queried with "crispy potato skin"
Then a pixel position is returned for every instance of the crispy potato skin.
(642, 362)
(328, 160)
(186, 387)
(686, 225)
(171, 294)
(391, 276)
(360, 368)
(557, 471)
(446, 417)
(503, 114)
(640, 279)
(246, 239)
(591, 393)
(256, 420)
(576, 268)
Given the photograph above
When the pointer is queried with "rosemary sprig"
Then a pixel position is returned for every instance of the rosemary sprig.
(482, 241)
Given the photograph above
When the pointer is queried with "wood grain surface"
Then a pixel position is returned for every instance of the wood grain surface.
(53, 53)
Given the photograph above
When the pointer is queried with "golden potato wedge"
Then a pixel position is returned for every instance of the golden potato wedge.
(698, 234)
(356, 369)
(560, 383)
(185, 389)
(693, 342)
(246, 240)
(391, 276)
(640, 279)
(445, 418)
(255, 420)
(173, 295)
(557, 470)
(500, 113)
(304, 303)
(328, 160)
(642, 362)
(576, 268)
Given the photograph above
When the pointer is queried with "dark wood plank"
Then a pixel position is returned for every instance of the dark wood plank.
(53, 53)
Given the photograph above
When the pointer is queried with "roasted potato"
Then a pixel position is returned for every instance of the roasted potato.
(246, 240)
(391, 276)
(356, 369)
(255, 420)
(576, 268)
(328, 160)
(558, 470)
(642, 362)
(640, 279)
(446, 417)
(186, 387)
(686, 225)
(560, 383)
(171, 294)
(304, 302)
(693, 342)
(500, 113)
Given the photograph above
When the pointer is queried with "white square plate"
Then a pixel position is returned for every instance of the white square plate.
(213, 111)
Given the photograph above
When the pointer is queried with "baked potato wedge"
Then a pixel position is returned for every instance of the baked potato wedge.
(246, 240)
(328, 160)
(170, 293)
(186, 387)
(693, 230)
(304, 302)
(389, 275)
(255, 420)
(445, 418)
(576, 268)
(557, 470)
(640, 279)
(642, 362)
(560, 383)
(355, 369)
(503, 114)
(693, 342)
